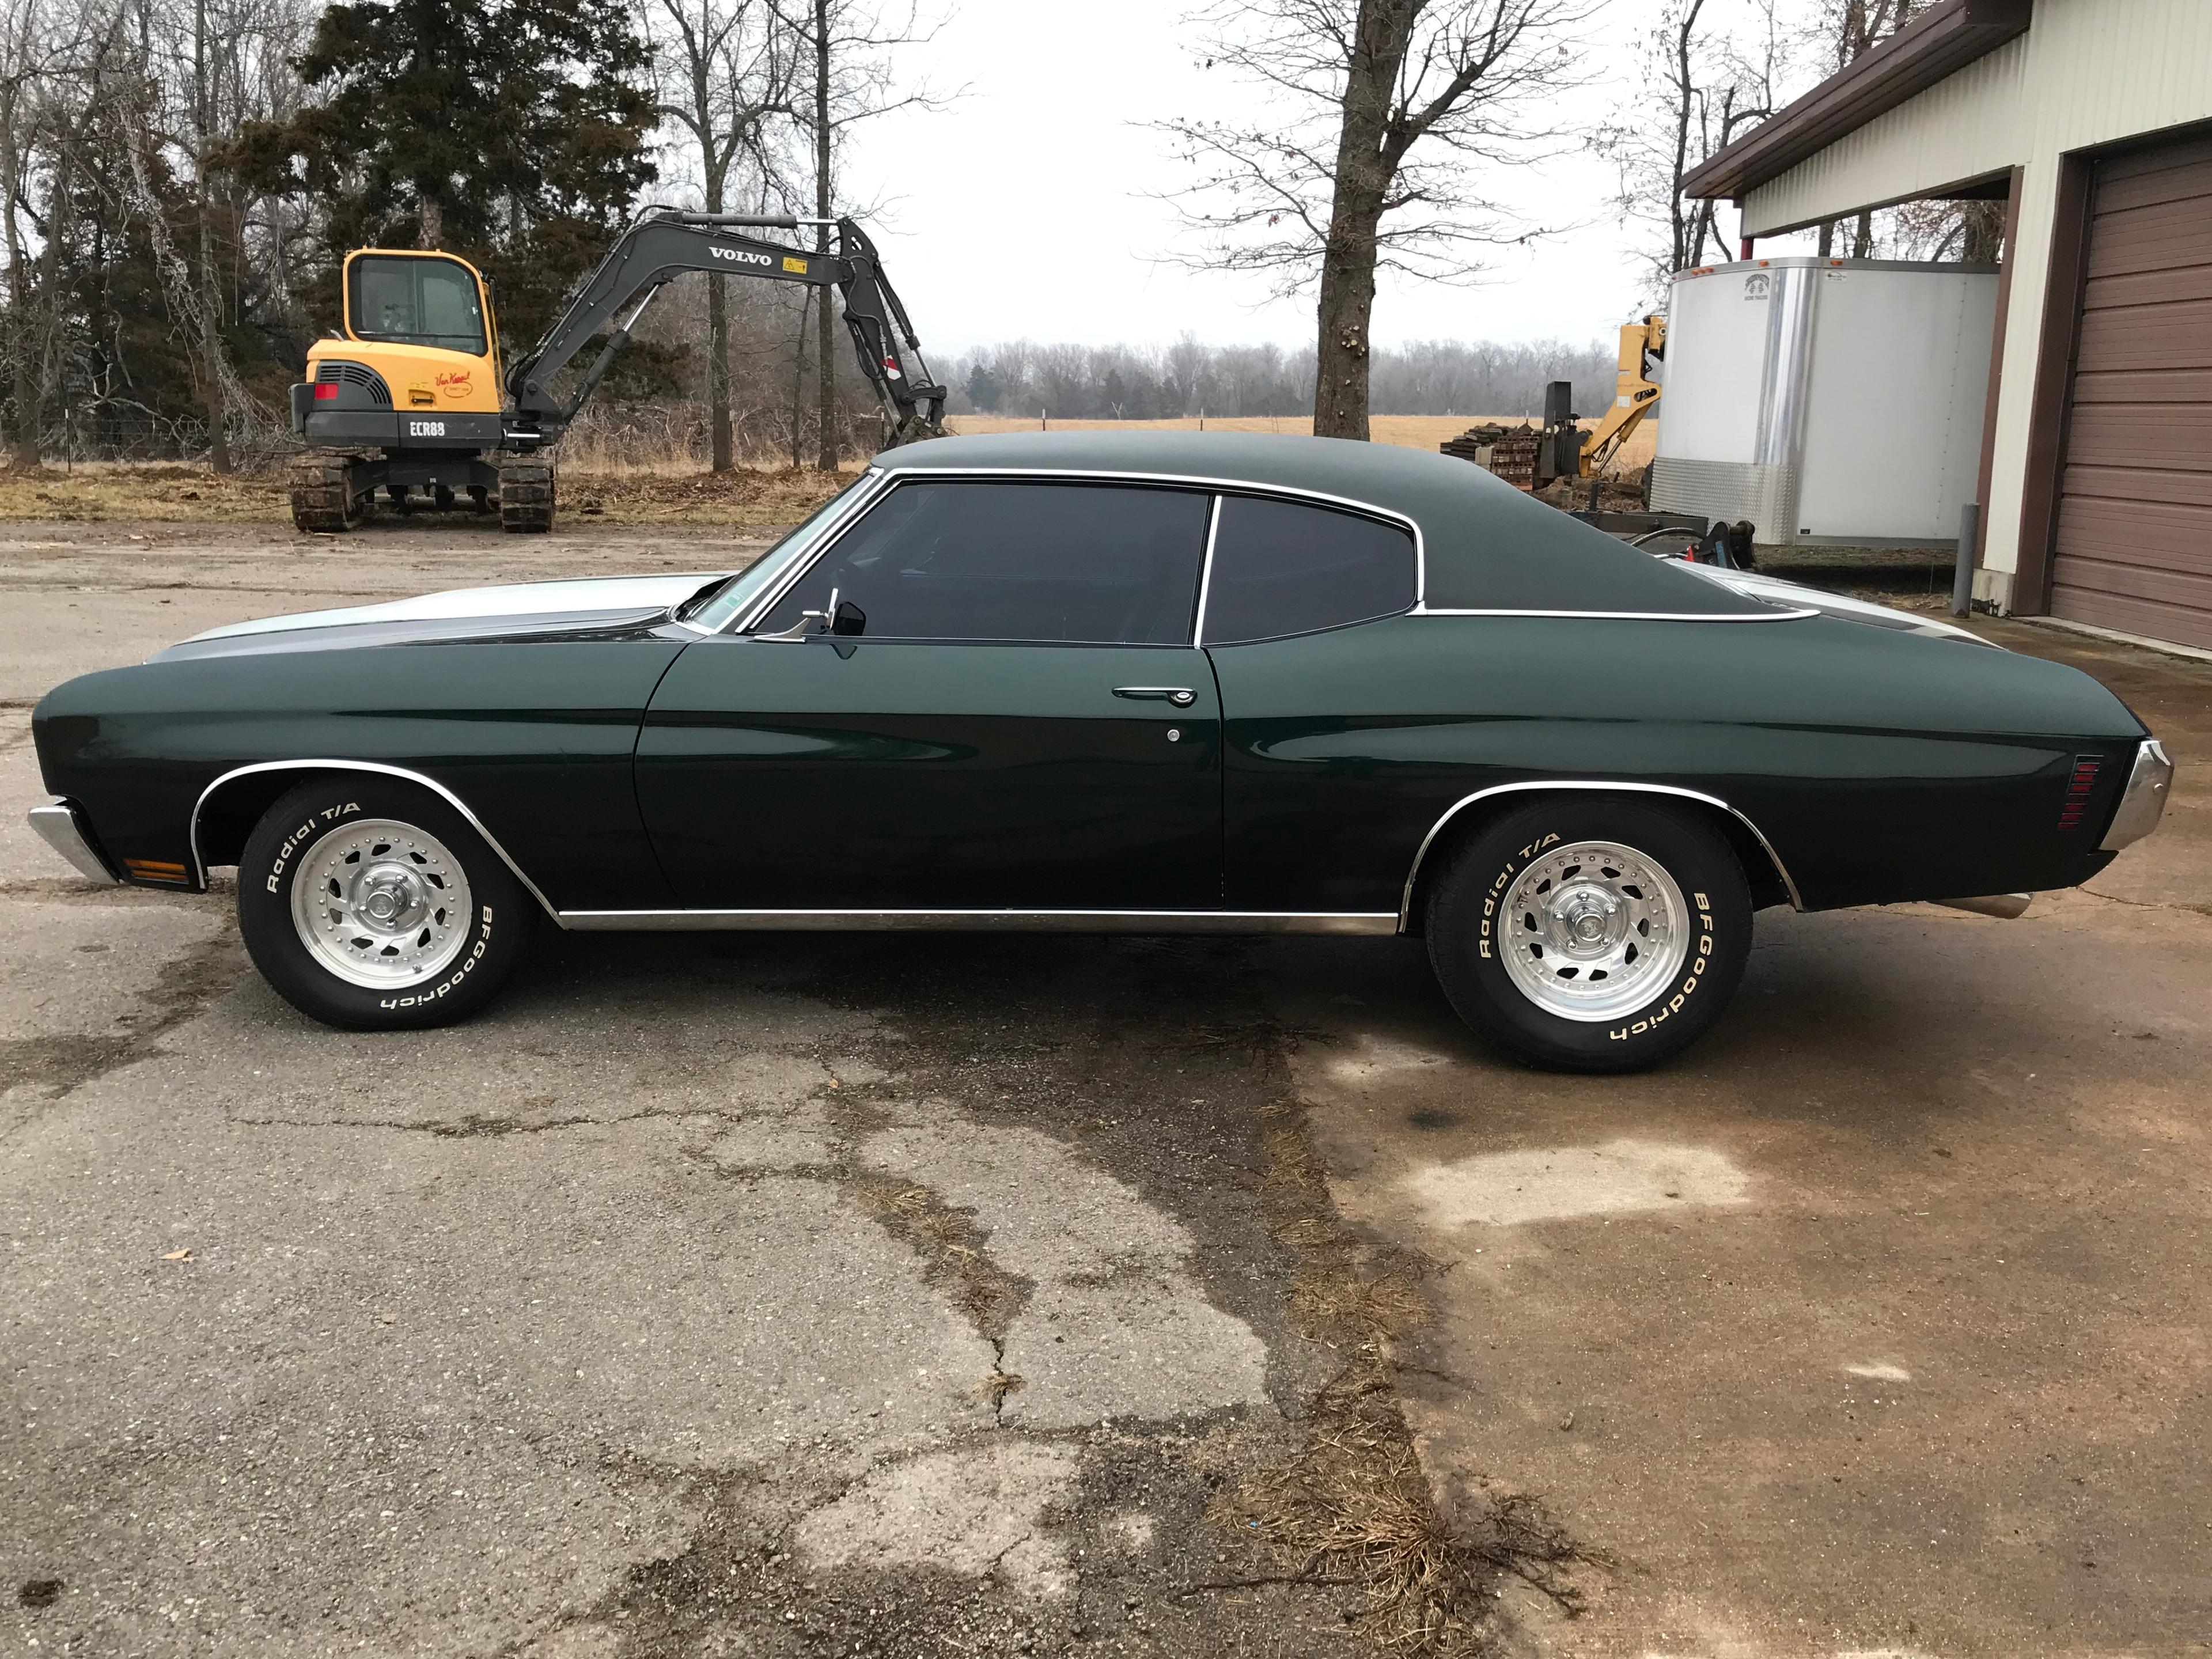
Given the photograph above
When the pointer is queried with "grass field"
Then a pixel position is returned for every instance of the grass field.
(658, 493)
(1411, 431)
(128, 492)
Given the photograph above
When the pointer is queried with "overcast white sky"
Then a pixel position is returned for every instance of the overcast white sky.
(1029, 208)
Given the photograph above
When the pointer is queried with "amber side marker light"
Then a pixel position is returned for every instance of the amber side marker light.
(2078, 790)
(155, 869)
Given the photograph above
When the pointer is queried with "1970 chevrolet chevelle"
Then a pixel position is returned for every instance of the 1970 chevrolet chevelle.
(1144, 682)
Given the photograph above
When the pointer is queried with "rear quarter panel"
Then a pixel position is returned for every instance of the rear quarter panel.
(1882, 766)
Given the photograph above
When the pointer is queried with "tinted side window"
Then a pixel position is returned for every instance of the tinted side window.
(1094, 564)
(1281, 568)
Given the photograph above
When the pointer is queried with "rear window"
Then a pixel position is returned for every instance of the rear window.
(418, 302)
(1282, 568)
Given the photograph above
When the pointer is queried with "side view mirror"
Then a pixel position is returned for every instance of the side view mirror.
(838, 617)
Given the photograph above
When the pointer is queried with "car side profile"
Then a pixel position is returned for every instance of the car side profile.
(1096, 681)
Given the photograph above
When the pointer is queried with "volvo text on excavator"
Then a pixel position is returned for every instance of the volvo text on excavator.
(410, 399)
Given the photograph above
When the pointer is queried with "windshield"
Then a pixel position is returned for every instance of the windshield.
(419, 302)
(735, 598)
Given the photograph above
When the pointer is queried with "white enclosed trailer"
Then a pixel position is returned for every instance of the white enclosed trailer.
(1826, 400)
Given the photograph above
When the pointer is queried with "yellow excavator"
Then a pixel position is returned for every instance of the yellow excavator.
(411, 397)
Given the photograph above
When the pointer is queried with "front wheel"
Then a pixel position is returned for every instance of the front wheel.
(372, 905)
(1591, 933)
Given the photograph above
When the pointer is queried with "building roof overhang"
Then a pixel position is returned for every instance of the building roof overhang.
(1939, 42)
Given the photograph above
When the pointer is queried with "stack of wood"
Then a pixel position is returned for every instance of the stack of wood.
(1508, 451)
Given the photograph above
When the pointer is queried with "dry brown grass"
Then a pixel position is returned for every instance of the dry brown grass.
(664, 490)
(741, 499)
(951, 1246)
(1355, 1508)
(136, 492)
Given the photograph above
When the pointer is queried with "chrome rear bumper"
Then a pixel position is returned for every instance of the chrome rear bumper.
(62, 827)
(2149, 782)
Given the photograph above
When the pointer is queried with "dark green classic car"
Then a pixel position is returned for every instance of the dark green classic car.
(1137, 682)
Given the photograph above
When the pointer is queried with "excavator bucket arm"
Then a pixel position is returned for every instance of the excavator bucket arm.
(664, 245)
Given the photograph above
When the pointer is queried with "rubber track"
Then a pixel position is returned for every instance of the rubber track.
(321, 502)
(525, 494)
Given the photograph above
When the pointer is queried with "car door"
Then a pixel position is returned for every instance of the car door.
(1011, 715)
(1305, 621)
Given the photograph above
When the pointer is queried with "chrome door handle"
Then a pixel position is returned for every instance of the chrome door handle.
(1180, 695)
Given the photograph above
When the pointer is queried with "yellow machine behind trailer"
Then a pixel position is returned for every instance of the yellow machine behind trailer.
(411, 398)
(1532, 457)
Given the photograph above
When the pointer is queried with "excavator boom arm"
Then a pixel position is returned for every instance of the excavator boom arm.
(665, 245)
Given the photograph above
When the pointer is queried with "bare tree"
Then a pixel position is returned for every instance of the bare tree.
(1848, 29)
(34, 43)
(727, 69)
(1702, 87)
(1387, 107)
(850, 75)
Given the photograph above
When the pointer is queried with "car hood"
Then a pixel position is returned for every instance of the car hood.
(458, 614)
(1776, 591)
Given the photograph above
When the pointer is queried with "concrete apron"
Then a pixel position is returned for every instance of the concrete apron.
(1876, 1323)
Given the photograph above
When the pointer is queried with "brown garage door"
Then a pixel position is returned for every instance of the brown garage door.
(2134, 547)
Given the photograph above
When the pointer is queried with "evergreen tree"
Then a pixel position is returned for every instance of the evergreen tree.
(512, 132)
(983, 389)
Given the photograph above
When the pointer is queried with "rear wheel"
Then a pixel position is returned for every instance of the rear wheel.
(372, 905)
(1591, 933)
(526, 492)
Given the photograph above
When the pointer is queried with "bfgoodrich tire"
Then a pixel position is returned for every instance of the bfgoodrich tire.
(1591, 932)
(370, 904)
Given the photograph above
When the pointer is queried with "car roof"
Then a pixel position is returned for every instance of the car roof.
(1486, 545)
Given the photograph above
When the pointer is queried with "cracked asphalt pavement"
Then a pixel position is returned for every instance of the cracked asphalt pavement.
(940, 1294)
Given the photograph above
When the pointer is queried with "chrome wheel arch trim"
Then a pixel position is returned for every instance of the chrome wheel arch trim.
(1585, 786)
(380, 768)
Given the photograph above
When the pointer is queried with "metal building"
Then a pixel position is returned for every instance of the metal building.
(2092, 121)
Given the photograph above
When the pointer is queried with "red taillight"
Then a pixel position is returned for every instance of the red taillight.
(2079, 788)
(327, 391)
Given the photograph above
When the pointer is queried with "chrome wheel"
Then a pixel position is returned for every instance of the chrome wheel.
(382, 903)
(1593, 931)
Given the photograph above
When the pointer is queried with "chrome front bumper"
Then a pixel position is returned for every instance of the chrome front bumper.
(62, 827)
(2149, 782)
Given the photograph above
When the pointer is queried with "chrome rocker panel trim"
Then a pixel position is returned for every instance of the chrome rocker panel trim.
(199, 864)
(1406, 902)
(61, 826)
(1381, 922)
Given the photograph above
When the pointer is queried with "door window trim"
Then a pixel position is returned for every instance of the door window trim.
(893, 477)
